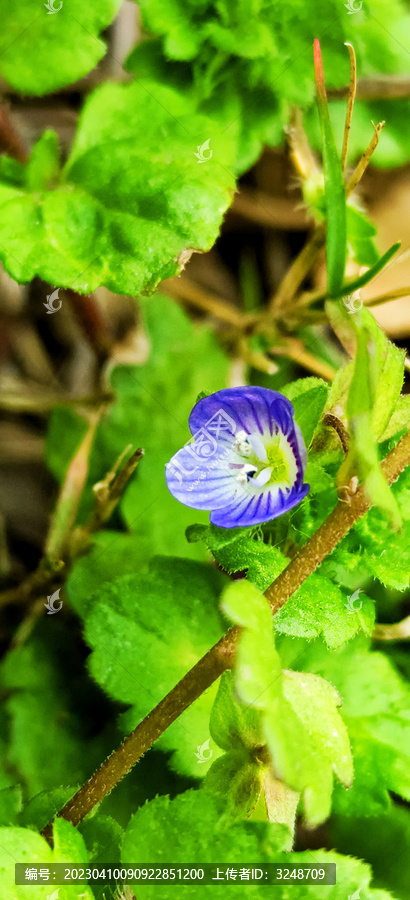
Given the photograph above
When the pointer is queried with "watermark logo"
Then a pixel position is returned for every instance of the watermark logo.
(350, 602)
(50, 607)
(351, 8)
(201, 751)
(201, 151)
(50, 7)
(55, 895)
(51, 297)
(349, 302)
(203, 445)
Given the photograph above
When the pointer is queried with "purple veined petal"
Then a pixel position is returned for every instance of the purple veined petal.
(203, 483)
(262, 507)
(301, 445)
(249, 409)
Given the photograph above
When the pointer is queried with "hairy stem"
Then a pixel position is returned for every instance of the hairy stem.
(221, 656)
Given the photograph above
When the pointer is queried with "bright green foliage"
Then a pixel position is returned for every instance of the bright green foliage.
(189, 827)
(370, 393)
(36, 46)
(360, 234)
(237, 729)
(128, 625)
(150, 411)
(376, 711)
(318, 607)
(383, 553)
(308, 396)
(383, 841)
(247, 62)
(300, 723)
(130, 201)
(23, 845)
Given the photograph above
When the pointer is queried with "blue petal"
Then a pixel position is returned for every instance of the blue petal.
(251, 409)
(203, 483)
(259, 508)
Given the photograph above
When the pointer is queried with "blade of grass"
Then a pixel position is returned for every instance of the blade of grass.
(334, 187)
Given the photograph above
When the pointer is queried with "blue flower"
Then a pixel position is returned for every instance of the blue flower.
(246, 461)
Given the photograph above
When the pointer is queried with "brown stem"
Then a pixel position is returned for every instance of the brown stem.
(365, 159)
(10, 141)
(350, 103)
(299, 269)
(332, 421)
(183, 289)
(221, 656)
(192, 685)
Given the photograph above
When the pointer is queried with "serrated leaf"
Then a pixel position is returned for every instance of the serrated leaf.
(31, 34)
(318, 607)
(25, 846)
(375, 710)
(135, 661)
(189, 828)
(305, 750)
(383, 841)
(132, 197)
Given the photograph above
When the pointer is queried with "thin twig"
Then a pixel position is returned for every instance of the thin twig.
(299, 269)
(400, 631)
(295, 351)
(365, 159)
(332, 421)
(184, 290)
(255, 358)
(350, 104)
(221, 656)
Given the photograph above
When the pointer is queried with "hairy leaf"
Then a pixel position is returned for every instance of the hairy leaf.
(189, 828)
(128, 625)
(131, 201)
(32, 35)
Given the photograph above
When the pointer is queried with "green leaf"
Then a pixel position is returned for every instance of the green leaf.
(308, 397)
(375, 710)
(233, 726)
(335, 196)
(383, 841)
(43, 167)
(372, 544)
(305, 735)
(30, 35)
(129, 625)
(48, 744)
(44, 806)
(247, 64)
(132, 199)
(372, 393)
(237, 779)
(25, 846)
(189, 828)
(10, 804)
(360, 234)
(318, 607)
